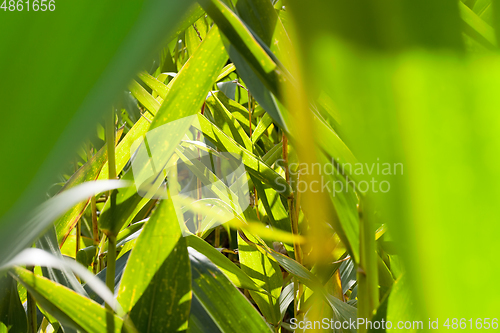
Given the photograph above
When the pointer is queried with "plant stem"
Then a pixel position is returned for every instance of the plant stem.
(111, 257)
(291, 203)
(110, 144)
(256, 205)
(250, 113)
(285, 157)
(95, 230)
(78, 235)
(367, 271)
(78, 224)
(298, 290)
(93, 209)
(31, 308)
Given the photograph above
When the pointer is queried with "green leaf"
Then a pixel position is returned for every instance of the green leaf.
(68, 307)
(228, 88)
(326, 138)
(122, 151)
(480, 6)
(256, 228)
(12, 313)
(345, 201)
(239, 112)
(121, 207)
(48, 242)
(254, 165)
(230, 270)
(228, 69)
(231, 25)
(273, 154)
(401, 302)
(103, 59)
(88, 172)
(260, 16)
(37, 257)
(347, 275)
(286, 297)
(191, 85)
(159, 87)
(192, 39)
(155, 288)
(360, 24)
(385, 277)
(143, 96)
(187, 86)
(227, 122)
(268, 274)
(200, 320)
(263, 124)
(276, 211)
(342, 311)
(251, 65)
(225, 305)
(190, 17)
(121, 263)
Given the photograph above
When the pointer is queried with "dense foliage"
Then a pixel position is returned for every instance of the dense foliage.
(368, 135)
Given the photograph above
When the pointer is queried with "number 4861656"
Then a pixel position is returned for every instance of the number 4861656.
(33, 5)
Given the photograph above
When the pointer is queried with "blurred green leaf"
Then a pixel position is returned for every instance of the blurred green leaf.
(400, 303)
(477, 28)
(88, 172)
(48, 242)
(103, 57)
(25, 235)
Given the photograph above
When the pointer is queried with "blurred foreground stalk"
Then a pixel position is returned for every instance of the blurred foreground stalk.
(368, 299)
(110, 142)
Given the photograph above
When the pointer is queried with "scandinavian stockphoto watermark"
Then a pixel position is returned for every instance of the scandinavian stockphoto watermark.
(208, 187)
(335, 177)
(175, 161)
